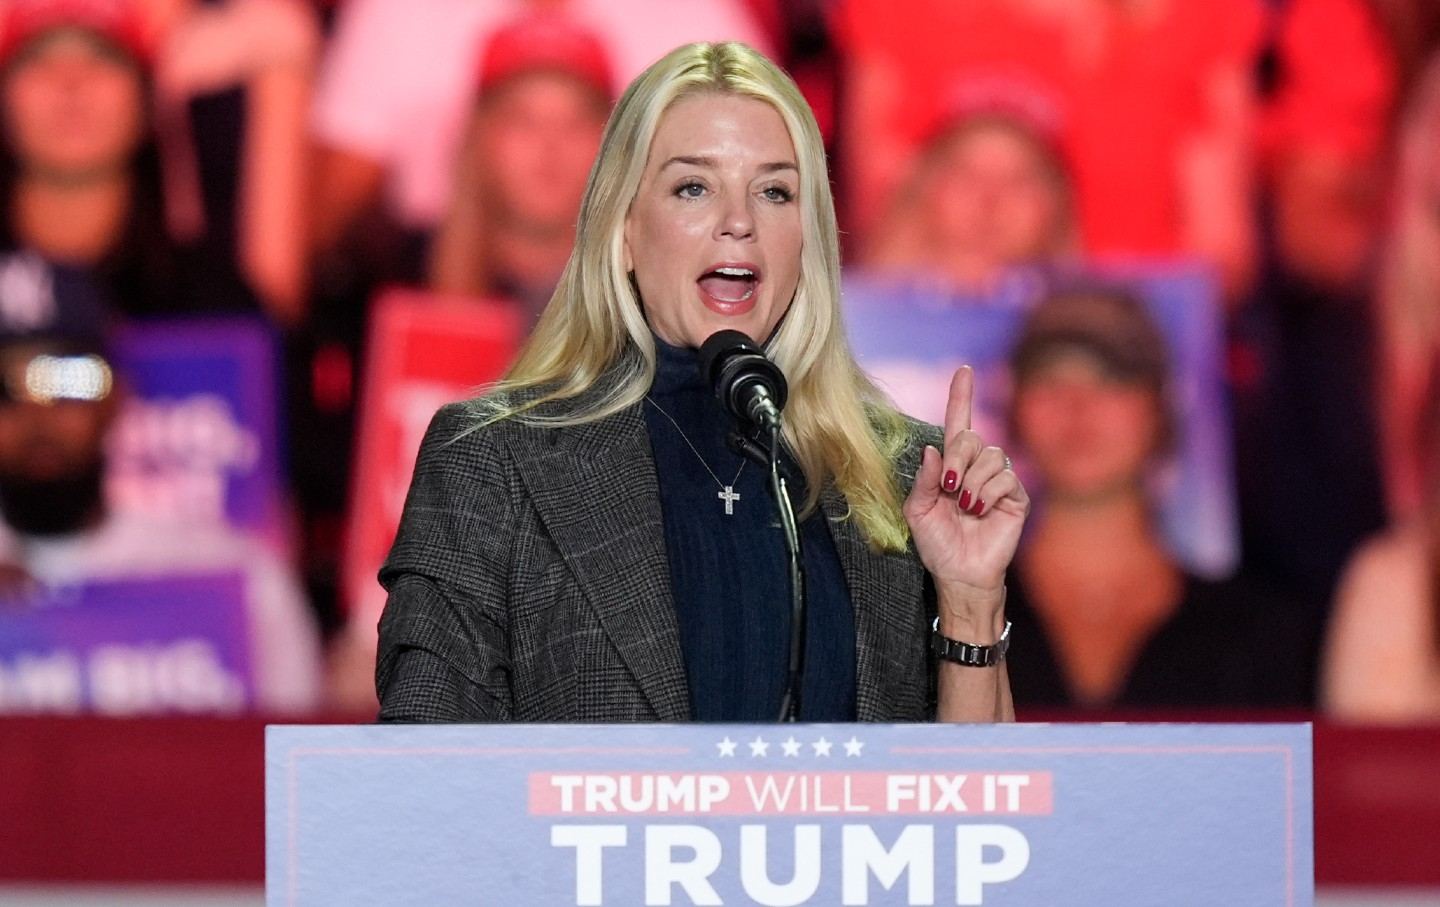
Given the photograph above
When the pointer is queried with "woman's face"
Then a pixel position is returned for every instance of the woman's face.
(992, 200)
(73, 106)
(541, 133)
(714, 233)
(1088, 434)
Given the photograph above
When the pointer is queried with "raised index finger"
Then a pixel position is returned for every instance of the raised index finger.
(958, 407)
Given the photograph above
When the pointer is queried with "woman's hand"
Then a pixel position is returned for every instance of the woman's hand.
(965, 512)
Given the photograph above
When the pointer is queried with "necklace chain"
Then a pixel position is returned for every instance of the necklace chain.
(727, 492)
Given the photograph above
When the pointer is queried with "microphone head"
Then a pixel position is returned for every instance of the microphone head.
(730, 362)
(719, 347)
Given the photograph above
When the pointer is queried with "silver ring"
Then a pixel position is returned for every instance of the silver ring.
(1008, 464)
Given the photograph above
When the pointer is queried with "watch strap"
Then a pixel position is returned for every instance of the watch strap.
(969, 654)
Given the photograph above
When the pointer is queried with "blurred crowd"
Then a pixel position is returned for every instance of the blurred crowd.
(287, 161)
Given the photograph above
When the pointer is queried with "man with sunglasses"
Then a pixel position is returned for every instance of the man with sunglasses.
(59, 399)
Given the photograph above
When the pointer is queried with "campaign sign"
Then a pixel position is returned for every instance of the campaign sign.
(789, 814)
(198, 438)
(911, 334)
(425, 351)
(129, 647)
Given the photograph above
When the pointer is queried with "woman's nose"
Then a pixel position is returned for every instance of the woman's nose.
(736, 219)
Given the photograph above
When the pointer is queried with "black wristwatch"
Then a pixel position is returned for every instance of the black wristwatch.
(969, 654)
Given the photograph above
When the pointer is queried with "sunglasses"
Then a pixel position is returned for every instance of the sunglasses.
(47, 379)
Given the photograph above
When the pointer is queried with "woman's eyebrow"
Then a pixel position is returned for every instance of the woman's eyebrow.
(706, 161)
(690, 160)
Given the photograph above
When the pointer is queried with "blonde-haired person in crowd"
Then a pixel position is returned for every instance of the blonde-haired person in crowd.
(564, 553)
(990, 190)
(395, 89)
(544, 92)
(1382, 653)
(1156, 97)
(1409, 298)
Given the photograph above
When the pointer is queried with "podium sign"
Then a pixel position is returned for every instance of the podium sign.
(789, 814)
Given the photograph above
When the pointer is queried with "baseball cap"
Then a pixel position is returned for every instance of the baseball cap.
(52, 333)
(116, 21)
(546, 41)
(45, 303)
(1026, 104)
(1106, 323)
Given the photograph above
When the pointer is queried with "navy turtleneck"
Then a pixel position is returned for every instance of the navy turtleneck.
(728, 572)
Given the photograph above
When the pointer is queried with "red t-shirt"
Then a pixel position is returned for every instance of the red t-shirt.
(1125, 109)
(1338, 81)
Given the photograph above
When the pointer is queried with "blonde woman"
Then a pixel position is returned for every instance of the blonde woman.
(564, 553)
(1409, 316)
(990, 191)
(1381, 662)
(544, 90)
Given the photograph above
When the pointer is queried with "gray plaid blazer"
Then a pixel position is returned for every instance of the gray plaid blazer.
(529, 582)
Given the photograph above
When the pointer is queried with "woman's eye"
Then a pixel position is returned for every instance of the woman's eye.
(690, 190)
(777, 193)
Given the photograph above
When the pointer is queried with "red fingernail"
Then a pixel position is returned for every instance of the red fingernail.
(965, 500)
(950, 479)
(979, 507)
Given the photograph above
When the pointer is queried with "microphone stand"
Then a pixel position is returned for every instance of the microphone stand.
(770, 459)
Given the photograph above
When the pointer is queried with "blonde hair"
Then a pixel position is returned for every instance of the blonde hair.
(838, 426)
(1409, 315)
(1411, 277)
(903, 238)
(463, 254)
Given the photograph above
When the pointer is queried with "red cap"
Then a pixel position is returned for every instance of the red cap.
(1026, 102)
(546, 41)
(117, 21)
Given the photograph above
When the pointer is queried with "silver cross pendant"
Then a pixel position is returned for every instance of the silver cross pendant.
(729, 497)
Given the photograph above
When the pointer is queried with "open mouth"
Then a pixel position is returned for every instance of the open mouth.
(730, 285)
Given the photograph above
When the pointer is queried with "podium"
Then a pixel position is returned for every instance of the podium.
(1132, 814)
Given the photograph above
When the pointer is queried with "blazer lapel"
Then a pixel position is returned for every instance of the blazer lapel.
(885, 592)
(595, 488)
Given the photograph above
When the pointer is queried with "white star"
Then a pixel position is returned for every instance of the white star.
(853, 746)
(727, 746)
(759, 747)
(822, 747)
(791, 746)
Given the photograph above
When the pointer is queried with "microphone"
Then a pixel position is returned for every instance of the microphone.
(752, 390)
(749, 386)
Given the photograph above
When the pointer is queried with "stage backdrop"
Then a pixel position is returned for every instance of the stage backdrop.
(911, 334)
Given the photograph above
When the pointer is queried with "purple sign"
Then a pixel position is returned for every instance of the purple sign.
(173, 645)
(911, 335)
(789, 814)
(198, 439)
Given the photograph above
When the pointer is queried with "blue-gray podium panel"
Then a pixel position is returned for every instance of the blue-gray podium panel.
(789, 814)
